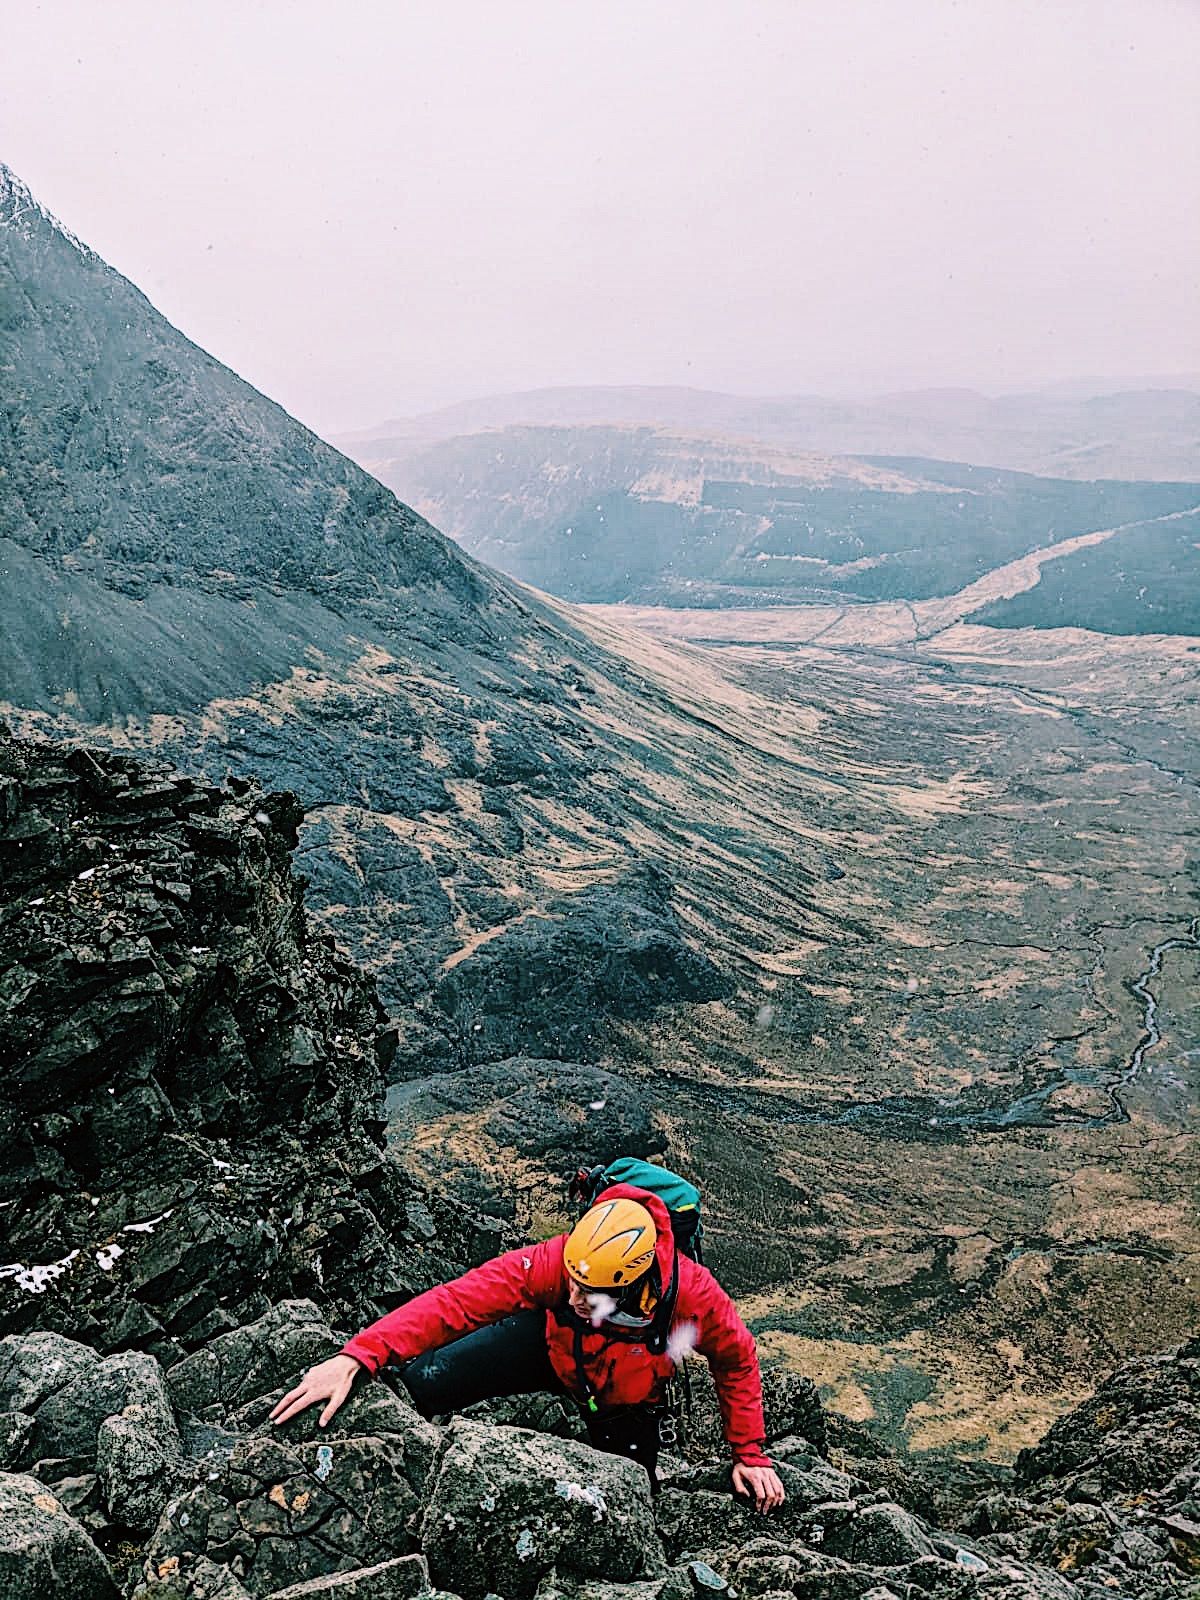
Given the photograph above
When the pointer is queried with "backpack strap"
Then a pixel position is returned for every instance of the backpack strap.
(664, 1312)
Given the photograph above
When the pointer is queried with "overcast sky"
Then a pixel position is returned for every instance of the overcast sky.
(369, 209)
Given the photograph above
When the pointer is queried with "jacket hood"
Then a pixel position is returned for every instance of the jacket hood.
(664, 1248)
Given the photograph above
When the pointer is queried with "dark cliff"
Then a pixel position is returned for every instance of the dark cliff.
(192, 1072)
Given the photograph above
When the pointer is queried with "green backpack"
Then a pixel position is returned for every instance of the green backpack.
(681, 1198)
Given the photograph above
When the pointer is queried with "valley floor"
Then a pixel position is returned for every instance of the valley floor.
(955, 1158)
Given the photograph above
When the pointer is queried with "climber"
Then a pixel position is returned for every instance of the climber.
(604, 1314)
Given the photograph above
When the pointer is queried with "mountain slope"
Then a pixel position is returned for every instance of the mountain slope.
(105, 460)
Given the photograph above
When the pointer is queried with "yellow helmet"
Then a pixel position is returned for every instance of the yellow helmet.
(611, 1246)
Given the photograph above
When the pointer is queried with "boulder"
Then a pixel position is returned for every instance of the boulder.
(840, 1581)
(505, 1507)
(699, 1512)
(67, 1424)
(766, 1566)
(135, 1463)
(44, 1553)
(883, 1535)
(251, 1362)
(374, 1409)
(703, 1519)
(280, 1513)
(34, 1366)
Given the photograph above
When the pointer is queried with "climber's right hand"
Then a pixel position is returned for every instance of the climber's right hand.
(331, 1381)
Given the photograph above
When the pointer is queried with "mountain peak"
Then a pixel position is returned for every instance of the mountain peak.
(19, 210)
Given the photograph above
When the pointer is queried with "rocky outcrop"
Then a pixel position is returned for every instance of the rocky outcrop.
(383, 1503)
(191, 1123)
(1111, 1495)
(614, 949)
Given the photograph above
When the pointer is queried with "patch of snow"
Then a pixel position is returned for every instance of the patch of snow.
(147, 1226)
(37, 1279)
(525, 1545)
(106, 1256)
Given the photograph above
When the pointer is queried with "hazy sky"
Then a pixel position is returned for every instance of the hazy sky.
(371, 208)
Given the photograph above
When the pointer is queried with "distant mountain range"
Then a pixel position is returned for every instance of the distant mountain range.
(1080, 430)
(643, 516)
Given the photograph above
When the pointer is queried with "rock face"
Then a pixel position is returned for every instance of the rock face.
(193, 1089)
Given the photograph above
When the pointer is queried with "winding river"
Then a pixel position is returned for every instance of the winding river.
(913, 1115)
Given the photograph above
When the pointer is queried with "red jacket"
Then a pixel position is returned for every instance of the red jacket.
(621, 1372)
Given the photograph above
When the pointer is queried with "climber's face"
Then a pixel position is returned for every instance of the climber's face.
(592, 1306)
